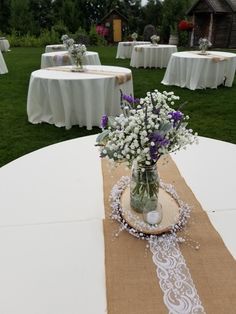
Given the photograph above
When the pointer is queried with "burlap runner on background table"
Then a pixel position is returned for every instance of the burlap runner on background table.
(214, 58)
(131, 280)
(121, 78)
(64, 59)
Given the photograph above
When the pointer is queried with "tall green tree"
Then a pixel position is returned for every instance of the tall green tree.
(152, 13)
(41, 12)
(21, 17)
(5, 11)
(173, 12)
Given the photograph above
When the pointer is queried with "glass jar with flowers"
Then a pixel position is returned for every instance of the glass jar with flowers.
(67, 41)
(77, 53)
(204, 44)
(147, 129)
(155, 39)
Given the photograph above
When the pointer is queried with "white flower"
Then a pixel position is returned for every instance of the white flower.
(77, 52)
(144, 133)
(134, 36)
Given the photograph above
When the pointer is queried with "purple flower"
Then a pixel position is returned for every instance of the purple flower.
(159, 140)
(130, 99)
(153, 152)
(104, 121)
(176, 116)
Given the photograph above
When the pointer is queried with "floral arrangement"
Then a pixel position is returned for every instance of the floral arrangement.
(155, 39)
(204, 44)
(134, 36)
(147, 129)
(185, 25)
(77, 52)
(67, 41)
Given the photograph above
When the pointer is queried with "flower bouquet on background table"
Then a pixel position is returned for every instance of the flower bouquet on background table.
(134, 36)
(204, 44)
(67, 41)
(77, 53)
(147, 129)
(155, 39)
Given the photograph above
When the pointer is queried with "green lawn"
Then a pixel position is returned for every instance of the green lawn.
(212, 112)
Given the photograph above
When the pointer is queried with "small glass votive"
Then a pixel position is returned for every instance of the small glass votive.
(153, 217)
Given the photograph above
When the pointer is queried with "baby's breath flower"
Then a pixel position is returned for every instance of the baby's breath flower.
(146, 131)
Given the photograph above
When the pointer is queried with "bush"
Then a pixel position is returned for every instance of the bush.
(60, 28)
(81, 37)
(45, 38)
(95, 39)
(184, 39)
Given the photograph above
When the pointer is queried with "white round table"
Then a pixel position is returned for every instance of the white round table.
(152, 56)
(51, 233)
(64, 98)
(59, 58)
(4, 44)
(3, 67)
(53, 48)
(124, 48)
(192, 70)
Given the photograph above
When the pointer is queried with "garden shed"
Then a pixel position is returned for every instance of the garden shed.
(215, 20)
(117, 25)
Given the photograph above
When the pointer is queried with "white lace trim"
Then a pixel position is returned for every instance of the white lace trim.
(180, 294)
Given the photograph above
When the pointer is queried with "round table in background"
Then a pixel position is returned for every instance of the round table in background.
(152, 56)
(64, 98)
(53, 48)
(193, 70)
(125, 48)
(59, 58)
(3, 67)
(4, 44)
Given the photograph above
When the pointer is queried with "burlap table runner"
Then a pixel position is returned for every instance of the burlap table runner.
(64, 59)
(214, 58)
(131, 280)
(120, 77)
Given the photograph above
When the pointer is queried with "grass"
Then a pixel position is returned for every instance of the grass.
(212, 111)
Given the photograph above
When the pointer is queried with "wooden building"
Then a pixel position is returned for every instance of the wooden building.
(117, 25)
(215, 20)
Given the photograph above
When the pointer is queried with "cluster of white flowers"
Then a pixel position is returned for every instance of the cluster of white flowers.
(155, 39)
(77, 52)
(67, 41)
(204, 44)
(144, 133)
(134, 36)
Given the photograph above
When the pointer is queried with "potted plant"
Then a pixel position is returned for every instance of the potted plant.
(174, 37)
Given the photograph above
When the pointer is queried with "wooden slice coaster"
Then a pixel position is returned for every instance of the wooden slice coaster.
(170, 214)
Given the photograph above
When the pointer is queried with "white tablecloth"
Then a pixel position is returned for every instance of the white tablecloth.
(152, 56)
(4, 45)
(53, 48)
(59, 58)
(3, 67)
(68, 98)
(194, 71)
(124, 49)
(51, 235)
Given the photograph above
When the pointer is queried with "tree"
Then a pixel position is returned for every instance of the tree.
(5, 11)
(21, 18)
(173, 12)
(152, 12)
(41, 12)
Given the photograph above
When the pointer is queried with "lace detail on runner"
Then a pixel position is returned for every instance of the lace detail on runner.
(180, 294)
